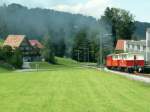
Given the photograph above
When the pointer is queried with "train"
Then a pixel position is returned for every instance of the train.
(127, 62)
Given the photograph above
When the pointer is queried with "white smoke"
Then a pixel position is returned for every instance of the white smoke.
(91, 7)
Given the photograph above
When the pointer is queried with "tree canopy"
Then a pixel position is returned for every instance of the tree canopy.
(121, 21)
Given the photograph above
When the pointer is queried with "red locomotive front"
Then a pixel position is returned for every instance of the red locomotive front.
(126, 61)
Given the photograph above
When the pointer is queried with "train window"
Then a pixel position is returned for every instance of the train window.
(119, 57)
(115, 57)
(131, 56)
(124, 56)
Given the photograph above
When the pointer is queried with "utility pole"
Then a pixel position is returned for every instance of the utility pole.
(101, 51)
(78, 55)
(84, 49)
(78, 51)
(92, 55)
(101, 48)
(88, 55)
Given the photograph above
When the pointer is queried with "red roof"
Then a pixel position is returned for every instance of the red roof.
(14, 40)
(36, 43)
(120, 45)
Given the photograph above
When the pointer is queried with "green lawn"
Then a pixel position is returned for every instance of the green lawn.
(71, 90)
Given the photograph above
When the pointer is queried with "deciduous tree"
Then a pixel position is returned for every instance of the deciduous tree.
(121, 21)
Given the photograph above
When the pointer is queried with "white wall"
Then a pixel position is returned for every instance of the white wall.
(148, 45)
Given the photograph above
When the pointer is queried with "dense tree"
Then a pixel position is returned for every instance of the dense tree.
(84, 49)
(11, 57)
(16, 59)
(60, 48)
(7, 52)
(1, 54)
(122, 23)
(48, 51)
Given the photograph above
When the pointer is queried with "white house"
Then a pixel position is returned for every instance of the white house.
(141, 46)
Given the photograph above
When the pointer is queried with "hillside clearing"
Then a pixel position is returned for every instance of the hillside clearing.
(61, 63)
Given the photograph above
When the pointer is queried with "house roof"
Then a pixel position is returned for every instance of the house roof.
(36, 43)
(14, 40)
(120, 45)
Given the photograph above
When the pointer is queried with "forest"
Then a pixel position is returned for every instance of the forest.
(71, 35)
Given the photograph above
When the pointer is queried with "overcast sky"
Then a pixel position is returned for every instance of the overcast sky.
(140, 8)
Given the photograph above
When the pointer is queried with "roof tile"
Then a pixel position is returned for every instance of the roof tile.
(120, 45)
(36, 43)
(14, 40)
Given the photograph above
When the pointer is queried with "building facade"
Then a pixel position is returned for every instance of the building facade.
(131, 45)
(135, 46)
(141, 46)
(148, 45)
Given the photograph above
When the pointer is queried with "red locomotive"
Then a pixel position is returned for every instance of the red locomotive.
(128, 62)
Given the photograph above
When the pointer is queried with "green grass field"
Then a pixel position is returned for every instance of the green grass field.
(71, 90)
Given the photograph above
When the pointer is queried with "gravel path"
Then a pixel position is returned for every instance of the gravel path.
(26, 65)
(37, 70)
(131, 76)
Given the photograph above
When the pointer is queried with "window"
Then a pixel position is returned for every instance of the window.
(135, 47)
(124, 56)
(130, 46)
(138, 47)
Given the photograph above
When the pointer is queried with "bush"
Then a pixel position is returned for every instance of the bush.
(48, 51)
(7, 53)
(16, 59)
(6, 65)
(11, 57)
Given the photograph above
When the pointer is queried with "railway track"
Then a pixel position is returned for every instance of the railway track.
(133, 76)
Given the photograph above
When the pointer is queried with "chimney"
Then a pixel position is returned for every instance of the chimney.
(148, 45)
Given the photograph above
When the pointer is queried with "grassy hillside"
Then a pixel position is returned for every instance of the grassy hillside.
(61, 63)
(72, 90)
(66, 61)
